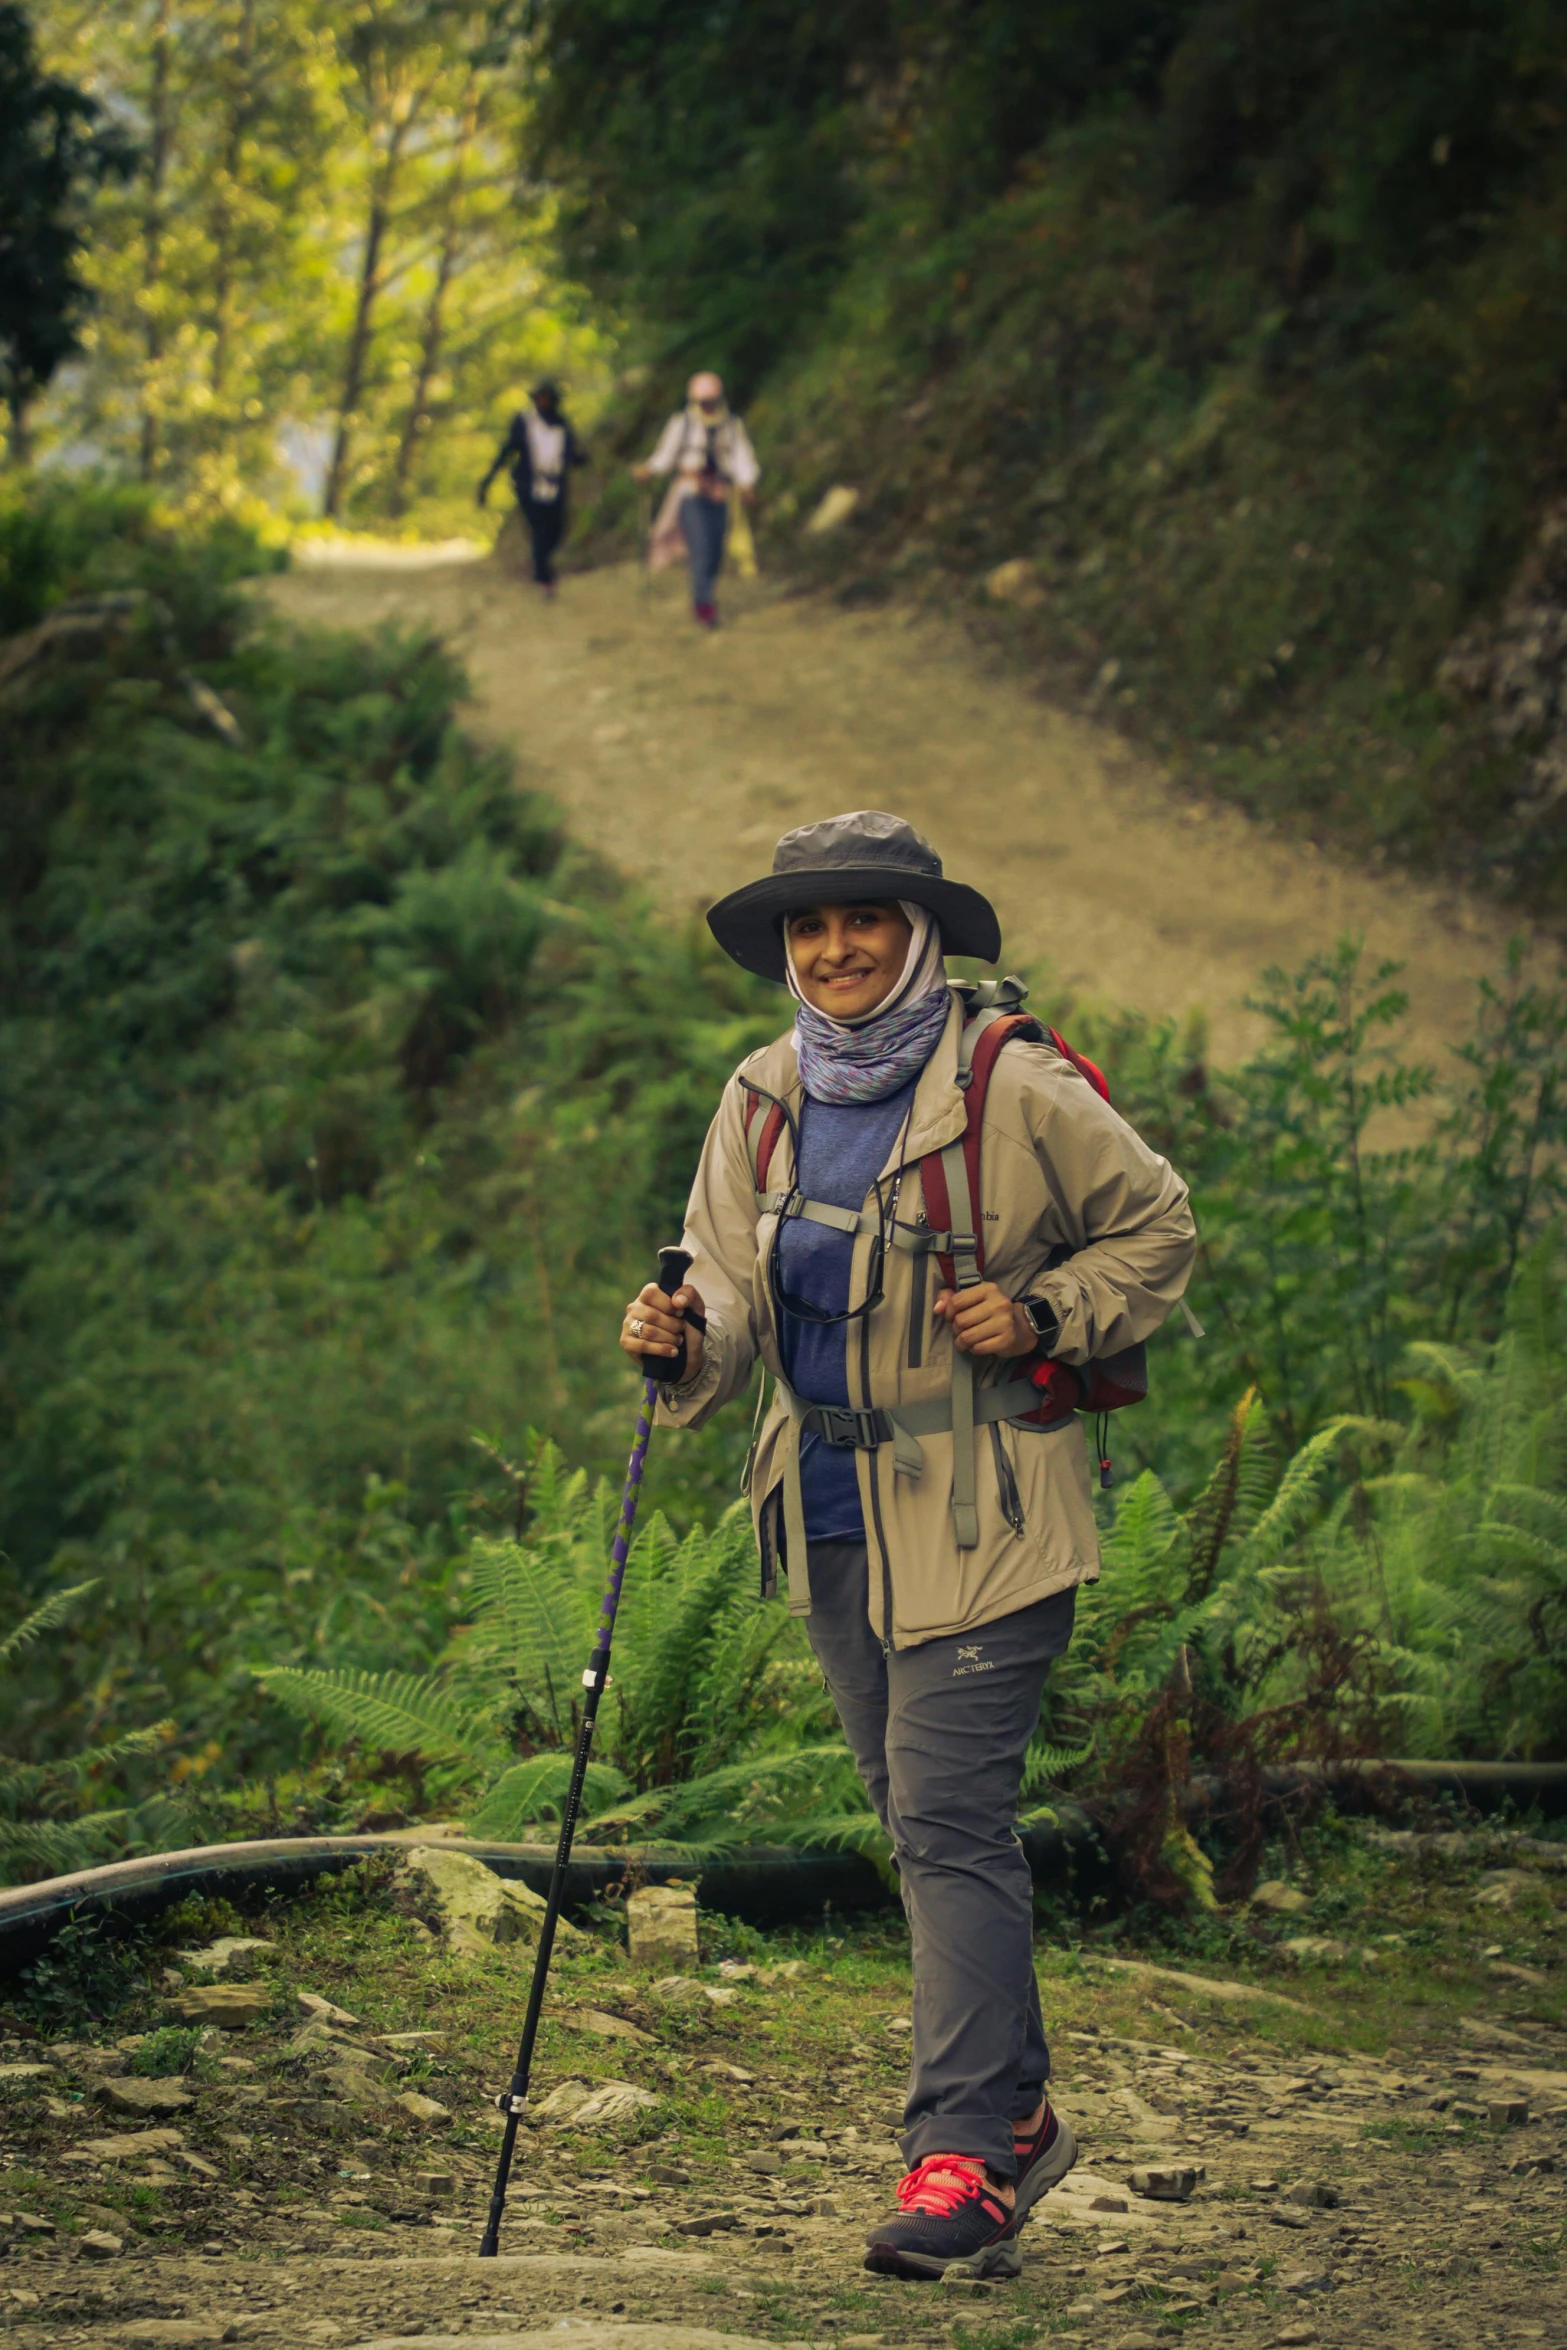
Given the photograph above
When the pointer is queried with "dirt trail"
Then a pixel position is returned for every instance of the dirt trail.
(683, 756)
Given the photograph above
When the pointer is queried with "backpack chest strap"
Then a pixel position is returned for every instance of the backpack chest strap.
(918, 1239)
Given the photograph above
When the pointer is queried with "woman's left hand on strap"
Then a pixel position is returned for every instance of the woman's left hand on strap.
(985, 1321)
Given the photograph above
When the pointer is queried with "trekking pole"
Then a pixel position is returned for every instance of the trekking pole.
(673, 1265)
(645, 560)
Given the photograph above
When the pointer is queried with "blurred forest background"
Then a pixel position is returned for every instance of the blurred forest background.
(329, 270)
(1212, 359)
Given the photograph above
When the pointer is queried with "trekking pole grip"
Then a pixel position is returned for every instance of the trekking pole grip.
(673, 1266)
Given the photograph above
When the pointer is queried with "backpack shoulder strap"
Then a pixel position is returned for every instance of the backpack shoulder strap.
(762, 1131)
(950, 1177)
(950, 1181)
(1081, 1063)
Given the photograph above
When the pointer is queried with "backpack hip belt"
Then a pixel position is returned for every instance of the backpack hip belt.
(850, 1430)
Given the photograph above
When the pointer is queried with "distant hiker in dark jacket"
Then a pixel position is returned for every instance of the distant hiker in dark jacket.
(541, 448)
(712, 469)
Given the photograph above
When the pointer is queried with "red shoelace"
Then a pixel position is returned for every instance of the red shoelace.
(943, 2183)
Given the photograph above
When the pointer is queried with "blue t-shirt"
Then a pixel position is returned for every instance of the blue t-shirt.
(843, 1148)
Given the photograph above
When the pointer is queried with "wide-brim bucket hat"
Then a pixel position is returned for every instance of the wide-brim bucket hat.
(865, 855)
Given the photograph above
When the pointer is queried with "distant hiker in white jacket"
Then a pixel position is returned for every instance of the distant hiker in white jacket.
(706, 451)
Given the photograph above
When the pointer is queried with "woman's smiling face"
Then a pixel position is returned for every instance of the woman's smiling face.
(848, 959)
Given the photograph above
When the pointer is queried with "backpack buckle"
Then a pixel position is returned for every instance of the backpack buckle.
(848, 1430)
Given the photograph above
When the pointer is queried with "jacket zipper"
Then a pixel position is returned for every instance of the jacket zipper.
(874, 1480)
(1011, 1499)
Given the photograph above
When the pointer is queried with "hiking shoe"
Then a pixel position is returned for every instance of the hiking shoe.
(1043, 2161)
(950, 2216)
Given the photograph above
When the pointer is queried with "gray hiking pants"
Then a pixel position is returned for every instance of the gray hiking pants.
(939, 1734)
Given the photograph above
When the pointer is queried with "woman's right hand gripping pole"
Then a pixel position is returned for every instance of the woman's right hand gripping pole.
(654, 1324)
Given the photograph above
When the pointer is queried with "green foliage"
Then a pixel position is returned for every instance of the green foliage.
(1349, 1202)
(1458, 1568)
(170, 2049)
(55, 147)
(708, 1714)
(1399, 1587)
(61, 539)
(334, 217)
(715, 155)
(1256, 375)
(48, 1823)
(342, 1103)
(87, 1973)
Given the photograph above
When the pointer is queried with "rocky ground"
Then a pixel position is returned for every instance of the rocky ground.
(275, 2129)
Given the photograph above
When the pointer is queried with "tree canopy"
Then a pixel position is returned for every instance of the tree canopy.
(55, 148)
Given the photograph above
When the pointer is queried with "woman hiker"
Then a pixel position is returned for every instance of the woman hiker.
(708, 455)
(542, 449)
(933, 1535)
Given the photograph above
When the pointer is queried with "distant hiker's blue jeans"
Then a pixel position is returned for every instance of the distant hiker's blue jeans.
(704, 522)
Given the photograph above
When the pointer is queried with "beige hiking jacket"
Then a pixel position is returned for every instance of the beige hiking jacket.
(1059, 1171)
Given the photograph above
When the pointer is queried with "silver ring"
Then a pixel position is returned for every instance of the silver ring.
(636, 1327)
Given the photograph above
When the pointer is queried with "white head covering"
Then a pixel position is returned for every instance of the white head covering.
(923, 969)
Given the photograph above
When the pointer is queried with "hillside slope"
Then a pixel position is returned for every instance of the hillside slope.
(1238, 337)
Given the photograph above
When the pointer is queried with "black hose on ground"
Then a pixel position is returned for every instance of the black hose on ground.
(764, 1885)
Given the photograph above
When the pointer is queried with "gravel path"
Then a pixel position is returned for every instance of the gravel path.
(1413, 2198)
(683, 756)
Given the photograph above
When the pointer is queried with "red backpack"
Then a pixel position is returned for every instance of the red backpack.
(950, 1182)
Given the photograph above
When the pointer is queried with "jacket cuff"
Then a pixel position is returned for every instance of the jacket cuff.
(687, 1405)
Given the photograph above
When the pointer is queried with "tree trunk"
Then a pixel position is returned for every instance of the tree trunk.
(19, 449)
(359, 340)
(159, 148)
(433, 332)
(240, 111)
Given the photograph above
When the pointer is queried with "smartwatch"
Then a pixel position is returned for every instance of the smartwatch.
(1045, 1321)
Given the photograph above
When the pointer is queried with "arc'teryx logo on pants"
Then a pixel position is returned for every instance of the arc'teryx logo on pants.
(968, 1662)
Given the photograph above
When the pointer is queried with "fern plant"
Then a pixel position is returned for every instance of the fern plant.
(1385, 1587)
(1460, 1571)
(45, 1829)
(714, 1725)
(1397, 1588)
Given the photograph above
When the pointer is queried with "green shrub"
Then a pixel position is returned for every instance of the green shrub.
(170, 2049)
(49, 1823)
(714, 1713)
(342, 1102)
